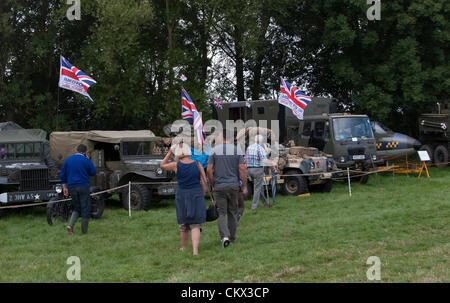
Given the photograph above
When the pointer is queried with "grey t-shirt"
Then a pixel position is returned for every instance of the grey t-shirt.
(226, 159)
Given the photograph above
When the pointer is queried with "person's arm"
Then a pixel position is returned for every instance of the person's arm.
(243, 174)
(92, 171)
(203, 181)
(63, 177)
(243, 177)
(263, 157)
(210, 172)
(172, 166)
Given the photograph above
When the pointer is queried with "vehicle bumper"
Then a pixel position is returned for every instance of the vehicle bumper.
(27, 196)
(167, 190)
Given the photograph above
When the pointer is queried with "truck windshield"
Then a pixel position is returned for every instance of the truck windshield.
(348, 128)
(13, 151)
(143, 148)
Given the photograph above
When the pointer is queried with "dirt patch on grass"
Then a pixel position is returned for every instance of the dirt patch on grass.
(288, 272)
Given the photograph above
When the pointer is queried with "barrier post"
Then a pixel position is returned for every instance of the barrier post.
(129, 198)
(349, 186)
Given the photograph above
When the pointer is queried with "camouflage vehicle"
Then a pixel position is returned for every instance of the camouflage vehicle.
(121, 157)
(348, 138)
(435, 134)
(295, 160)
(27, 172)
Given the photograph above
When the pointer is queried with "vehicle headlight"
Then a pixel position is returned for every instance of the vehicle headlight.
(374, 157)
(330, 163)
(58, 188)
(342, 159)
(159, 171)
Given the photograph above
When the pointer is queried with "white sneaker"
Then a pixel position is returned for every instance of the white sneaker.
(225, 242)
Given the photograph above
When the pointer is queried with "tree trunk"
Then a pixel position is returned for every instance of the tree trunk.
(239, 64)
(257, 69)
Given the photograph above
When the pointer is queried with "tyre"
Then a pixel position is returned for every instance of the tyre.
(97, 203)
(364, 179)
(295, 185)
(430, 150)
(140, 197)
(323, 188)
(57, 212)
(440, 156)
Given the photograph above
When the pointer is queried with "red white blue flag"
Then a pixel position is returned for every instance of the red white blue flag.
(217, 103)
(189, 112)
(293, 98)
(74, 79)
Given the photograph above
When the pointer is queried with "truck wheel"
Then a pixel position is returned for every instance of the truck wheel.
(441, 156)
(57, 211)
(295, 185)
(97, 203)
(364, 179)
(430, 150)
(140, 197)
(323, 188)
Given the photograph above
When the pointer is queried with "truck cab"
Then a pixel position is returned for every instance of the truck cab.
(349, 138)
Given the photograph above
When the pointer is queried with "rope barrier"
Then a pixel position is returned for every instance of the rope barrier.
(62, 200)
(358, 174)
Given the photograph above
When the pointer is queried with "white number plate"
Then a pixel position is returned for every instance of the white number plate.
(359, 157)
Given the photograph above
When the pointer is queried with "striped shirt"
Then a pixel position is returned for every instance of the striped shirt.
(254, 155)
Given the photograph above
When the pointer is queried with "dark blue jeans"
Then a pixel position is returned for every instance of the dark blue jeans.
(81, 201)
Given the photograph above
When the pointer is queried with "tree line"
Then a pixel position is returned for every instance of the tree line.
(391, 69)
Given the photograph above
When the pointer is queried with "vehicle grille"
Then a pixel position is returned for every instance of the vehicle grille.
(356, 150)
(34, 179)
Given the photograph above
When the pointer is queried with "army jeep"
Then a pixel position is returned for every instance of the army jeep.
(300, 169)
(121, 157)
(27, 172)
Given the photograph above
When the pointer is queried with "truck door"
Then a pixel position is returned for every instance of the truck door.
(305, 129)
(320, 135)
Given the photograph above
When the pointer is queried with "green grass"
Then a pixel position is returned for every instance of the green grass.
(323, 238)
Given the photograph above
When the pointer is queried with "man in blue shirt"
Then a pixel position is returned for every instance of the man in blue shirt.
(75, 174)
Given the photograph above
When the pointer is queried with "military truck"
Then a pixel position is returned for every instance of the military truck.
(299, 169)
(27, 172)
(435, 134)
(348, 138)
(120, 157)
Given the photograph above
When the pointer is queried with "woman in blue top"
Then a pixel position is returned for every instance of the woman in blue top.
(190, 197)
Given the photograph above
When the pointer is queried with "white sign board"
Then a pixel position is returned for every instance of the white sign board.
(423, 155)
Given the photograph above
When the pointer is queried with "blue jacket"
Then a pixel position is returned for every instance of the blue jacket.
(76, 171)
(200, 157)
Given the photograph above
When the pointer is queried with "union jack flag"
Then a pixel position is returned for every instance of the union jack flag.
(189, 112)
(293, 98)
(74, 79)
(217, 103)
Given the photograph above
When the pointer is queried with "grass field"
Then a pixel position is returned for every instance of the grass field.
(323, 238)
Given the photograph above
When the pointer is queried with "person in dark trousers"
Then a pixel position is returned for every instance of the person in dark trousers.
(75, 174)
(225, 168)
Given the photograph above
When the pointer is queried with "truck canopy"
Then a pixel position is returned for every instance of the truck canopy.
(9, 125)
(22, 136)
(65, 143)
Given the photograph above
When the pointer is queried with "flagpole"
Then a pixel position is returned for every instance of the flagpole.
(57, 102)
(57, 110)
